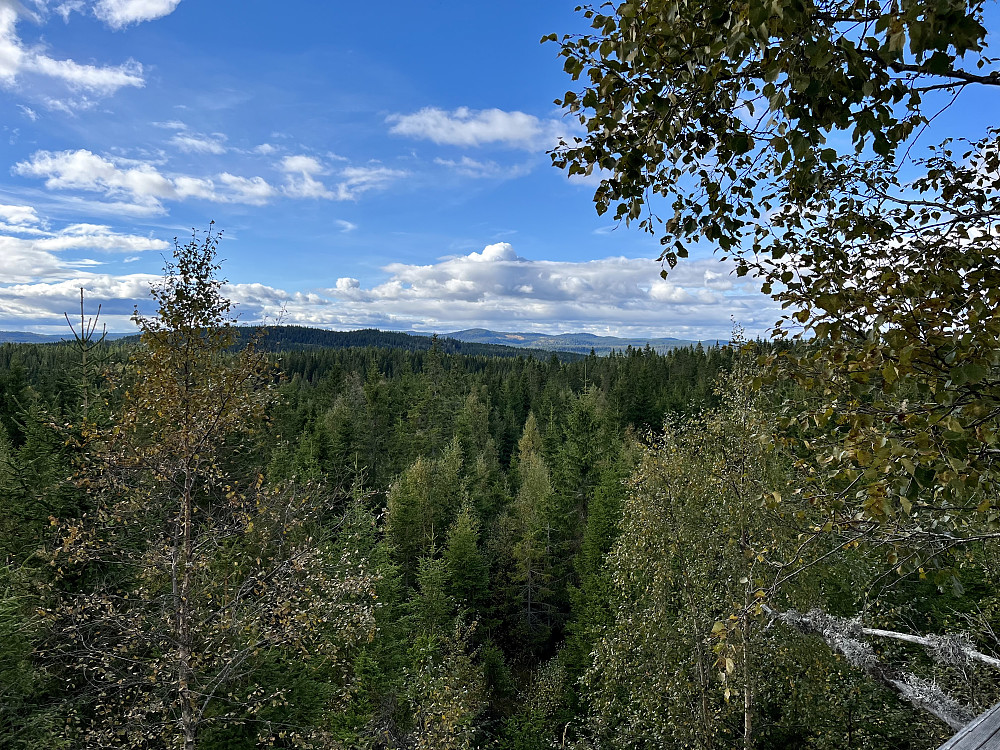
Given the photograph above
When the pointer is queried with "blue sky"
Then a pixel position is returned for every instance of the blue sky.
(372, 164)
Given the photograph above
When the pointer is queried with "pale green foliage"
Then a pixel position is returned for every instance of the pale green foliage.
(445, 691)
(468, 571)
(432, 606)
(422, 504)
(685, 576)
(533, 520)
(902, 386)
(534, 726)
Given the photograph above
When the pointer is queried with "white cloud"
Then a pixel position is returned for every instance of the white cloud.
(358, 180)
(102, 81)
(29, 253)
(468, 127)
(70, 7)
(121, 13)
(345, 226)
(192, 143)
(42, 271)
(28, 112)
(18, 60)
(483, 169)
(12, 53)
(255, 191)
(22, 215)
(496, 288)
(301, 181)
(304, 164)
(138, 181)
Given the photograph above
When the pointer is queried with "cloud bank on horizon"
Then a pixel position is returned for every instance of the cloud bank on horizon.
(44, 270)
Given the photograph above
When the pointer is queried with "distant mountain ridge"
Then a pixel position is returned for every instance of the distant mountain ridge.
(472, 341)
(578, 343)
(23, 337)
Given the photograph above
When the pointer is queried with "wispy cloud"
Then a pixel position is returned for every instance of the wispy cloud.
(22, 65)
(196, 143)
(300, 180)
(480, 170)
(469, 127)
(354, 181)
(32, 253)
(121, 13)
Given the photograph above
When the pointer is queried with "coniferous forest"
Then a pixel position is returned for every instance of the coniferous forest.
(211, 540)
(207, 543)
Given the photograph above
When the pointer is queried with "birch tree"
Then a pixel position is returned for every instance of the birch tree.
(189, 577)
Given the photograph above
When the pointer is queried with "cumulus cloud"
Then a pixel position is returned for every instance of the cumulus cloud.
(497, 288)
(42, 269)
(138, 182)
(255, 191)
(121, 13)
(19, 60)
(20, 215)
(31, 253)
(494, 288)
(469, 127)
(346, 284)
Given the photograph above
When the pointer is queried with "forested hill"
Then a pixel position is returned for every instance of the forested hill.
(23, 337)
(301, 338)
(293, 338)
(581, 343)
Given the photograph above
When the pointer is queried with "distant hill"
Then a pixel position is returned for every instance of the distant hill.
(298, 338)
(473, 341)
(579, 343)
(23, 337)
(285, 338)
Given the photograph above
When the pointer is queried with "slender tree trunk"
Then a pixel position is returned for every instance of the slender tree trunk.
(747, 686)
(184, 671)
(708, 740)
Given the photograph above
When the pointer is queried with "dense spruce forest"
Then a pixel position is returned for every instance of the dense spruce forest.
(213, 545)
